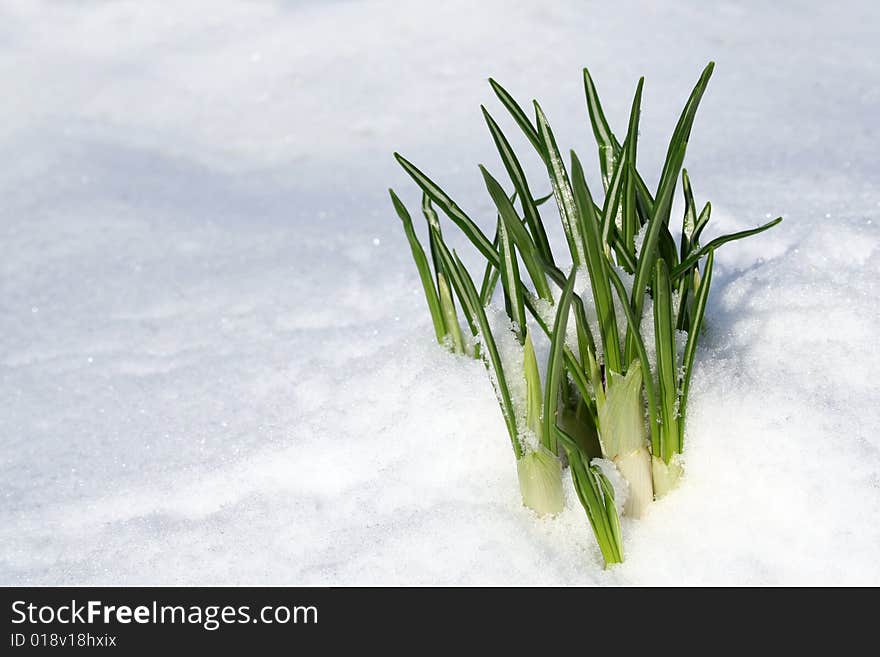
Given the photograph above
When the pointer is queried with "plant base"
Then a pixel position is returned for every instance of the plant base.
(635, 468)
(666, 475)
(540, 481)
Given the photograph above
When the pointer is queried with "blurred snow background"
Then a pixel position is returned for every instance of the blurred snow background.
(215, 361)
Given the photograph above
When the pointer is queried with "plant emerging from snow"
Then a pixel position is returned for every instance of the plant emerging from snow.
(615, 394)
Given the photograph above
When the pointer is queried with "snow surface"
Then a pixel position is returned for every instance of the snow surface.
(215, 361)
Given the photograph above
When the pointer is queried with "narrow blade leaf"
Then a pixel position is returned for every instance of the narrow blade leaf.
(689, 222)
(490, 277)
(555, 362)
(438, 196)
(514, 225)
(521, 185)
(682, 132)
(702, 221)
(608, 145)
(421, 261)
(630, 220)
(667, 367)
(519, 116)
(597, 265)
(513, 299)
(692, 259)
(597, 498)
(612, 209)
(447, 265)
(450, 317)
(562, 190)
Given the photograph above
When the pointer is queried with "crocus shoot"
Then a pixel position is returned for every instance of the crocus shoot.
(609, 392)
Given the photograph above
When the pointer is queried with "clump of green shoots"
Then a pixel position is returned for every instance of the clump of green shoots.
(538, 467)
(603, 396)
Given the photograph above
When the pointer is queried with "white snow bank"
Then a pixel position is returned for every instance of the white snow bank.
(215, 361)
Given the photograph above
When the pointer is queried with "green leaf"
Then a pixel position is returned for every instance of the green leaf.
(586, 343)
(701, 223)
(433, 222)
(530, 303)
(533, 390)
(692, 259)
(513, 299)
(645, 200)
(519, 116)
(447, 265)
(624, 258)
(608, 145)
(611, 209)
(667, 366)
(490, 276)
(543, 199)
(447, 303)
(562, 190)
(687, 281)
(649, 253)
(690, 349)
(666, 247)
(520, 184)
(424, 270)
(596, 497)
(438, 196)
(689, 223)
(555, 362)
(514, 225)
(678, 143)
(610, 154)
(597, 265)
(631, 223)
(611, 514)
(658, 223)
(571, 362)
(450, 317)
(685, 296)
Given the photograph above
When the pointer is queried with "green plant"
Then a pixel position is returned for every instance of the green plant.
(604, 382)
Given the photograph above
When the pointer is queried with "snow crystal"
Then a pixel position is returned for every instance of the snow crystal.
(546, 311)
(680, 338)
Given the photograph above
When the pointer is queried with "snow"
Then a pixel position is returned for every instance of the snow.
(216, 364)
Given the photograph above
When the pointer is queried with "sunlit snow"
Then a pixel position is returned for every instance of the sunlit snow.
(216, 363)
